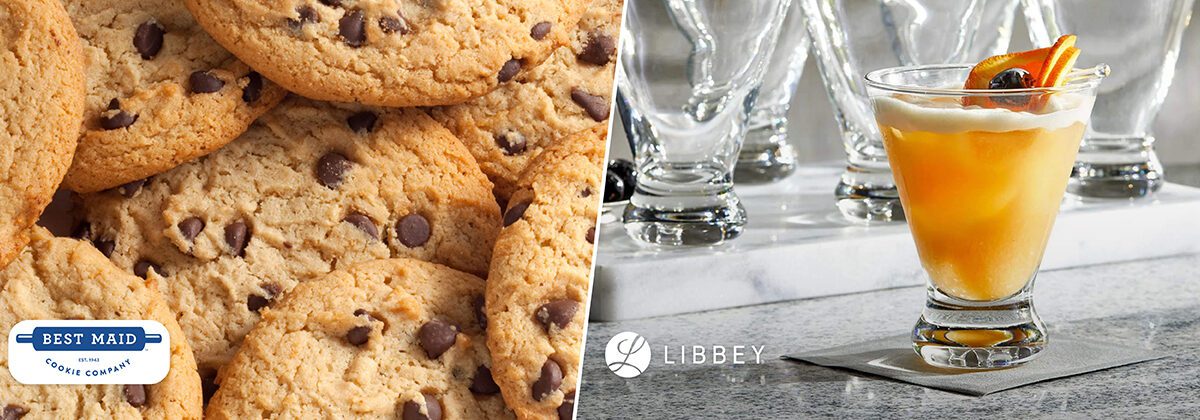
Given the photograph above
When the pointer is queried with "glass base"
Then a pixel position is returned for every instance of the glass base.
(764, 161)
(868, 196)
(1116, 180)
(694, 226)
(1002, 334)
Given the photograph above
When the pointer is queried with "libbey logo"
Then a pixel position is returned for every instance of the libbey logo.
(89, 352)
(627, 354)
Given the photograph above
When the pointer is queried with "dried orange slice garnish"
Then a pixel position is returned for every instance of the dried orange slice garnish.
(1058, 55)
(1049, 67)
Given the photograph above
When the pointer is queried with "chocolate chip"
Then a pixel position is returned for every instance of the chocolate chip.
(362, 122)
(351, 28)
(511, 142)
(332, 3)
(82, 231)
(550, 380)
(358, 336)
(208, 385)
(148, 39)
(390, 25)
(559, 312)
(132, 187)
(190, 227)
(113, 120)
(135, 395)
(591, 235)
(596, 106)
(360, 312)
(237, 235)
(272, 289)
(253, 89)
(480, 315)
(437, 336)
(256, 302)
(142, 268)
(331, 169)
(598, 49)
(363, 223)
(433, 409)
(515, 212)
(509, 70)
(413, 230)
(106, 247)
(540, 30)
(483, 383)
(587, 192)
(306, 15)
(13, 412)
(202, 81)
(567, 408)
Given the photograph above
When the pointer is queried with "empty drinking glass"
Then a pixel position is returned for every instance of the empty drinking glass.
(1141, 41)
(766, 155)
(689, 75)
(852, 37)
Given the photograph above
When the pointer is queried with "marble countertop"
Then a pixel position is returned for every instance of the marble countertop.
(1153, 304)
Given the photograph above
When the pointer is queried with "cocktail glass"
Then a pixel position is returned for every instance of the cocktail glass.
(1141, 39)
(981, 185)
(851, 37)
(690, 73)
(766, 155)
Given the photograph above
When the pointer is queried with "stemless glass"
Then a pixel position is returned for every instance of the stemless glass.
(1141, 40)
(766, 155)
(851, 37)
(981, 174)
(690, 72)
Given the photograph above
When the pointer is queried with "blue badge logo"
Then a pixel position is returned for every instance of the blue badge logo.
(89, 352)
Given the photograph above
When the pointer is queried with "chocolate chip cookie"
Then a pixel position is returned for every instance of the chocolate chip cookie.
(310, 188)
(41, 101)
(538, 284)
(395, 338)
(60, 278)
(507, 128)
(160, 93)
(390, 52)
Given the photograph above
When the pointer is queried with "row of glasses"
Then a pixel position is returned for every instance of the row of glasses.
(705, 87)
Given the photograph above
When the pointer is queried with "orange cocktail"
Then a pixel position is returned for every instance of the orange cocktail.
(980, 196)
(981, 156)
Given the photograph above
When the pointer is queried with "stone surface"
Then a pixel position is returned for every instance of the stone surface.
(797, 245)
(1154, 304)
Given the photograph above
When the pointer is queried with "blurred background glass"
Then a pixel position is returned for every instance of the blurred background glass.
(812, 126)
(1142, 41)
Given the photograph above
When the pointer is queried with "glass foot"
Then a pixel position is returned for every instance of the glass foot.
(990, 337)
(701, 226)
(868, 197)
(761, 163)
(1116, 180)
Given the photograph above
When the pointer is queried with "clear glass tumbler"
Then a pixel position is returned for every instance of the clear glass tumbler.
(981, 174)
(766, 155)
(852, 37)
(1141, 41)
(690, 73)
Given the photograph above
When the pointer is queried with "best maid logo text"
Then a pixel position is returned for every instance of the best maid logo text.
(89, 352)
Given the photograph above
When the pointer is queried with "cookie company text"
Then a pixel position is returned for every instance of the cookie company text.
(717, 355)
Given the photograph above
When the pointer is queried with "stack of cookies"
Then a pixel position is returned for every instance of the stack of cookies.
(338, 208)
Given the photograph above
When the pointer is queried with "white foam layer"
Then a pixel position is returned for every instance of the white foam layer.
(1062, 110)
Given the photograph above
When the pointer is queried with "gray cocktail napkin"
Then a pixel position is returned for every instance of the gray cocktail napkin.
(893, 357)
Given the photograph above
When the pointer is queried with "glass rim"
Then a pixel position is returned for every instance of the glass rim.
(874, 79)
